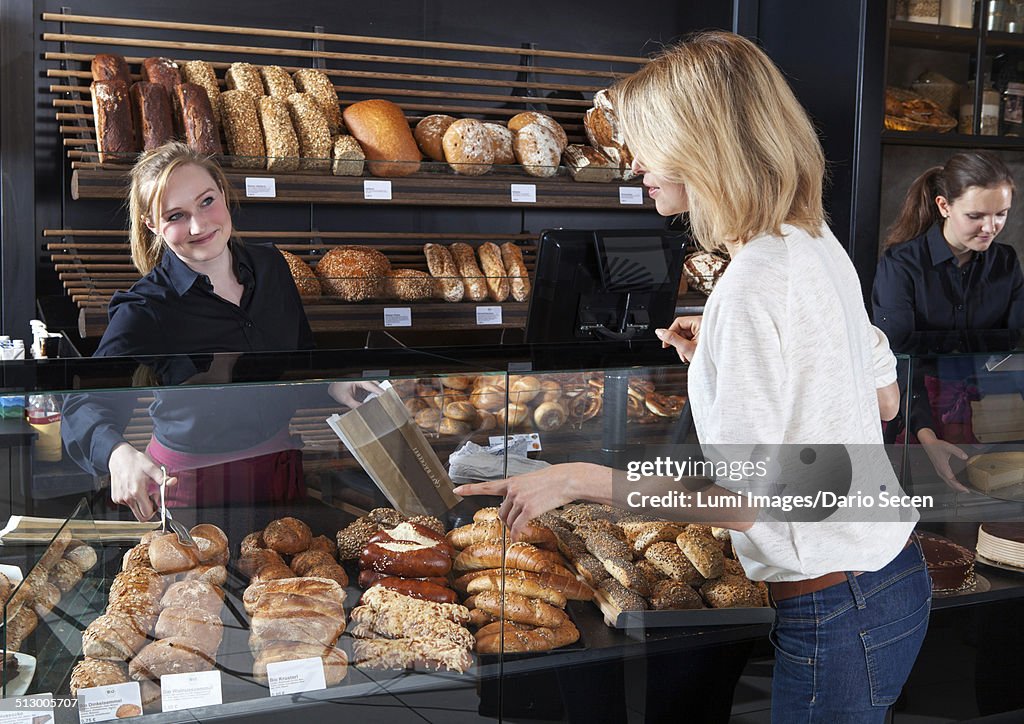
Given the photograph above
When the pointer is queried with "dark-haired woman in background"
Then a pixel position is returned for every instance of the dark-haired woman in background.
(942, 271)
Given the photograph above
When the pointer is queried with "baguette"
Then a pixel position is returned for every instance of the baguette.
(511, 637)
(515, 267)
(472, 275)
(442, 267)
(494, 271)
(520, 609)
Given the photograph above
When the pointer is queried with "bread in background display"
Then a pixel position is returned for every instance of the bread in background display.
(110, 66)
(589, 164)
(409, 285)
(276, 81)
(115, 128)
(244, 76)
(195, 118)
(347, 157)
(444, 270)
(279, 140)
(241, 123)
(312, 131)
(383, 132)
(521, 120)
(501, 138)
(538, 150)
(318, 84)
(468, 147)
(201, 73)
(163, 71)
(429, 134)
(151, 111)
(471, 273)
(603, 131)
(353, 273)
(304, 277)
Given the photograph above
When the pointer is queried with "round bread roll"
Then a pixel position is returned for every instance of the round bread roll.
(90, 673)
(46, 597)
(305, 280)
(488, 398)
(486, 421)
(550, 390)
(549, 416)
(353, 273)
(287, 535)
(537, 150)
(515, 414)
(448, 426)
(65, 575)
(252, 542)
(325, 544)
(272, 573)
(303, 562)
(329, 570)
(212, 543)
(457, 382)
(252, 561)
(468, 147)
(521, 120)
(409, 285)
(462, 410)
(415, 405)
(524, 389)
(501, 139)
(168, 555)
(429, 133)
(81, 555)
(216, 575)
(194, 595)
(429, 418)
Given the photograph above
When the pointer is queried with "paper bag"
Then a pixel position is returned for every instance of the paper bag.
(382, 436)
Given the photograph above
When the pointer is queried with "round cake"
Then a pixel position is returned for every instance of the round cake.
(950, 565)
(1002, 543)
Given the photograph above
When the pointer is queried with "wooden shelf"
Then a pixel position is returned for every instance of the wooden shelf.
(933, 37)
(421, 189)
(951, 140)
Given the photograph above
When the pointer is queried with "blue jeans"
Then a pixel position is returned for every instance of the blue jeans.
(842, 654)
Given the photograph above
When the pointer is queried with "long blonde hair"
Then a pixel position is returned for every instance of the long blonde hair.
(716, 114)
(149, 182)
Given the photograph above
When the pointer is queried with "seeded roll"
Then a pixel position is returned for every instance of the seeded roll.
(731, 591)
(704, 553)
(674, 595)
(669, 559)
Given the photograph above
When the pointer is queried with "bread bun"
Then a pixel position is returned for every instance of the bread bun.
(550, 391)
(468, 147)
(82, 555)
(409, 285)
(486, 421)
(252, 542)
(304, 277)
(538, 150)
(168, 555)
(90, 673)
(515, 414)
(213, 574)
(463, 411)
(429, 133)
(331, 571)
(488, 398)
(353, 273)
(443, 268)
(325, 544)
(309, 559)
(501, 139)
(65, 575)
(524, 389)
(212, 543)
(383, 132)
(287, 535)
(521, 120)
(448, 426)
(194, 595)
(549, 416)
(457, 382)
(428, 419)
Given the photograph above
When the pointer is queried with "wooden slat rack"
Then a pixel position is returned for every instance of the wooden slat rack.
(422, 77)
(94, 263)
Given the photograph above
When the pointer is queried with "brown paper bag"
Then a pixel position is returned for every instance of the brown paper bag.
(382, 436)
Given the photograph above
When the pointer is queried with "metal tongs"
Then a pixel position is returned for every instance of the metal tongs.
(184, 537)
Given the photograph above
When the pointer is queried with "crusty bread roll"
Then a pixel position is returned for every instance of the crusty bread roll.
(549, 416)
(521, 120)
(443, 268)
(317, 84)
(202, 628)
(461, 410)
(510, 637)
(272, 573)
(494, 271)
(468, 147)
(429, 133)
(90, 673)
(110, 66)
(168, 555)
(244, 76)
(458, 428)
(588, 164)
(201, 73)
(353, 273)
(308, 559)
(194, 595)
(276, 81)
(46, 597)
(287, 535)
(731, 591)
(472, 275)
(331, 571)
(279, 139)
(383, 132)
(704, 553)
(538, 150)
(669, 560)
(304, 277)
(212, 543)
(138, 589)
(212, 574)
(175, 655)
(347, 157)
(112, 636)
(252, 542)
(81, 554)
(501, 138)
(674, 595)
(410, 285)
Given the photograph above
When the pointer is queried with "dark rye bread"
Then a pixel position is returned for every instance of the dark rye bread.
(151, 112)
(195, 118)
(115, 129)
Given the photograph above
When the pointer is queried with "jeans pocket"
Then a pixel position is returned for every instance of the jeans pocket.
(890, 650)
(786, 646)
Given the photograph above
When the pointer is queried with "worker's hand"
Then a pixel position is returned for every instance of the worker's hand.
(132, 476)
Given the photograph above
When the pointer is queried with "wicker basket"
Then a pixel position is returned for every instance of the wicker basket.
(906, 111)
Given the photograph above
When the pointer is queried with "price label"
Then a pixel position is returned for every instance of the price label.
(260, 188)
(293, 677)
(376, 190)
(488, 315)
(631, 195)
(188, 691)
(524, 193)
(532, 437)
(103, 703)
(397, 316)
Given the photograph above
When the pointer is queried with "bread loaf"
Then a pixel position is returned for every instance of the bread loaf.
(521, 120)
(65, 575)
(264, 595)
(494, 271)
(110, 66)
(304, 277)
(410, 653)
(175, 655)
(212, 543)
(325, 544)
(410, 285)
(254, 541)
(193, 595)
(703, 269)
(312, 131)
(674, 595)
(468, 147)
(347, 157)
(112, 113)
(112, 636)
(20, 627)
(704, 553)
(46, 597)
(306, 621)
(89, 673)
(196, 117)
(81, 554)
(253, 560)
(670, 561)
(151, 112)
(429, 135)
(241, 124)
(279, 140)
(201, 74)
(317, 84)
(588, 164)
(202, 628)
(538, 150)
(353, 273)
(501, 139)
(515, 267)
(383, 132)
(163, 71)
(730, 591)
(215, 575)
(331, 571)
(276, 81)
(472, 275)
(244, 76)
(602, 128)
(442, 267)
(168, 555)
(287, 535)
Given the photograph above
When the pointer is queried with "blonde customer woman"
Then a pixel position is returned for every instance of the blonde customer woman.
(784, 356)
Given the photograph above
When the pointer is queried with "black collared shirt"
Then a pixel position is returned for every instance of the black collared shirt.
(919, 288)
(173, 311)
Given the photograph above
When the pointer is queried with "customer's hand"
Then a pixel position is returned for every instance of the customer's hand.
(681, 334)
(940, 452)
(344, 392)
(132, 475)
(533, 494)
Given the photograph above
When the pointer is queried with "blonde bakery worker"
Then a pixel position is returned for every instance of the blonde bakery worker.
(784, 355)
(202, 292)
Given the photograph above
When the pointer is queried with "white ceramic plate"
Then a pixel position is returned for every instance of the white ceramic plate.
(26, 670)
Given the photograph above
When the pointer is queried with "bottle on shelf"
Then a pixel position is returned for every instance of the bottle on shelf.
(43, 413)
(989, 109)
(957, 13)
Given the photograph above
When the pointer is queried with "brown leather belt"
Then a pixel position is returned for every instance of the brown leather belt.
(782, 590)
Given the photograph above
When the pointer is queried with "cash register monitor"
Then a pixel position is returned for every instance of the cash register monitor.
(611, 285)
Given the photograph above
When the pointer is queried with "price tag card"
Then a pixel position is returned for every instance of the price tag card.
(188, 691)
(631, 195)
(376, 190)
(533, 437)
(260, 188)
(488, 315)
(524, 193)
(397, 316)
(35, 709)
(293, 677)
(103, 703)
